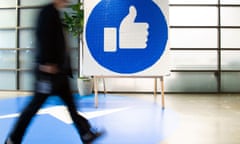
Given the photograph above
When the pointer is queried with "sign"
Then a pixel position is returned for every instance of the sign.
(126, 37)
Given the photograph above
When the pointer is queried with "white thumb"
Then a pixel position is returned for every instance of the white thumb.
(131, 15)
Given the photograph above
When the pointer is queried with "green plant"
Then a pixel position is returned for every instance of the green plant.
(74, 23)
(74, 20)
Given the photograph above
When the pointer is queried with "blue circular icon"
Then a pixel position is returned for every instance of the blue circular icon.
(109, 14)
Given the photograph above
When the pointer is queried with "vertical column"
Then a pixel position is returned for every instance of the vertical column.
(219, 48)
(17, 46)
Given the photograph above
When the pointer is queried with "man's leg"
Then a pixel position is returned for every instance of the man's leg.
(27, 114)
(81, 123)
(65, 94)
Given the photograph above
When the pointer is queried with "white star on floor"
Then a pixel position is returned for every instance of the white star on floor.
(61, 113)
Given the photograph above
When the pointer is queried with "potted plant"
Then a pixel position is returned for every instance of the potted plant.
(74, 23)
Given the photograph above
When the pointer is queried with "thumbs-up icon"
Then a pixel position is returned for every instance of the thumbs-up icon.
(132, 35)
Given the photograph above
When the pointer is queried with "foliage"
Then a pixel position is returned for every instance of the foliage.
(74, 20)
(74, 23)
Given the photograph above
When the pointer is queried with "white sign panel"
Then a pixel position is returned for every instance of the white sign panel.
(126, 37)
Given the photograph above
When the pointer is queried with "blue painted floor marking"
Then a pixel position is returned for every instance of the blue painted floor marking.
(130, 121)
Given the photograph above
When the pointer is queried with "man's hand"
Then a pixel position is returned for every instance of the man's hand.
(49, 68)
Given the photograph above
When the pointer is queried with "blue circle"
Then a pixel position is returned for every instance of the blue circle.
(126, 61)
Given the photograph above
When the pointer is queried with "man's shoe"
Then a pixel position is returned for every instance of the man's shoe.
(91, 136)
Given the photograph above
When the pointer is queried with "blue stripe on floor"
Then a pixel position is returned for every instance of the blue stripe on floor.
(142, 122)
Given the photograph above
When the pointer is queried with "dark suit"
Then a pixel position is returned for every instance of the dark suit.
(51, 49)
(51, 45)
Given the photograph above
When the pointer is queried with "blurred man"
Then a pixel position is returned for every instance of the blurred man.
(52, 72)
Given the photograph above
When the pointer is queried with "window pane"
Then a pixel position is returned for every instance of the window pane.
(74, 58)
(7, 59)
(230, 60)
(26, 59)
(193, 38)
(193, 16)
(28, 17)
(230, 81)
(230, 38)
(8, 80)
(27, 39)
(34, 2)
(7, 39)
(194, 60)
(191, 82)
(26, 80)
(230, 2)
(230, 16)
(8, 18)
(7, 3)
(193, 1)
(39, 2)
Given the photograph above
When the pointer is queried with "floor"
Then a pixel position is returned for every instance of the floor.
(196, 118)
(206, 119)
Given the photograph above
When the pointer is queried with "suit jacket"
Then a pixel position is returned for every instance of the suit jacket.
(51, 44)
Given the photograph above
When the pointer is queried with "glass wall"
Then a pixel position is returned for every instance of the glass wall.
(205, 47)
(17, 43)
(194, 46)
(230, 45)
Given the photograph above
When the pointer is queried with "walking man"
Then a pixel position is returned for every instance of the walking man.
(52, 72)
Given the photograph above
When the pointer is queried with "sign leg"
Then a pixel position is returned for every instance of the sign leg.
(162, 92)
(155, 89)
(95, 91)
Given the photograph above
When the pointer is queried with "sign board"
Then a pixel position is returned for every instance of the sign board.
(126, 37)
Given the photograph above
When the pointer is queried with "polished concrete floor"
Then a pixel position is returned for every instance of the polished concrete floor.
(203, 118)
(206, 119)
